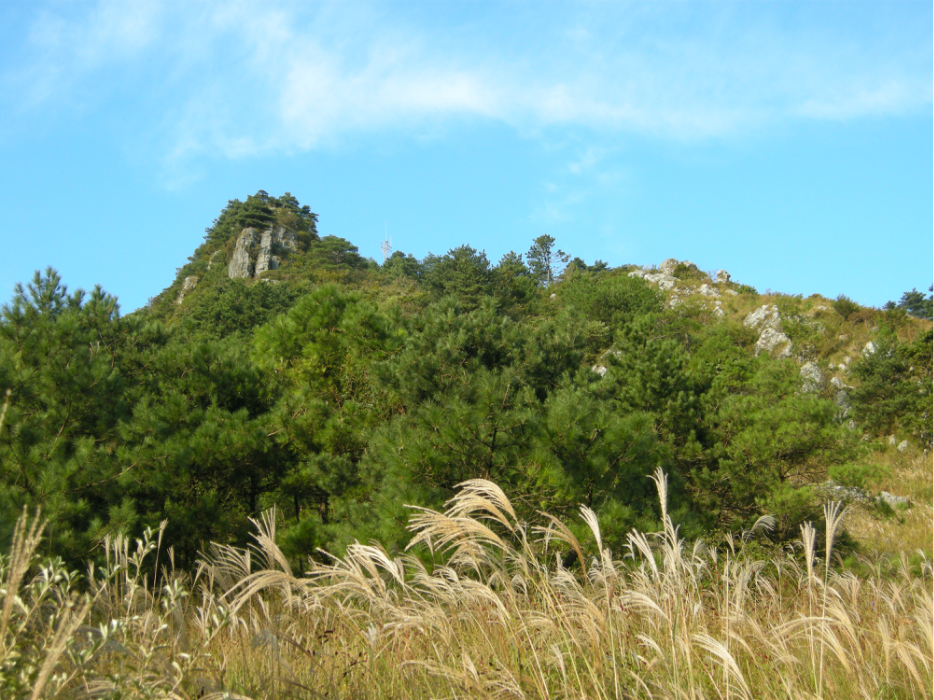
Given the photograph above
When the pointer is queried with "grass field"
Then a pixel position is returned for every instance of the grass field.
(506, 611)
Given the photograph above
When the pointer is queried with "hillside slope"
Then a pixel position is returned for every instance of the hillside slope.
(281, 369)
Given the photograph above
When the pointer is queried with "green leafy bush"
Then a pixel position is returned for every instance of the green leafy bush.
(895, 390)
(845, 306)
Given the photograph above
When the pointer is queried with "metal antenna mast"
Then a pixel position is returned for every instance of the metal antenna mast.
(386, 245)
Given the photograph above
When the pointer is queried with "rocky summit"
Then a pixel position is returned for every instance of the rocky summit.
(256, 253)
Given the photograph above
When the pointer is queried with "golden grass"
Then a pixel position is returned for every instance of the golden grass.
(495, 615)
(910, 474)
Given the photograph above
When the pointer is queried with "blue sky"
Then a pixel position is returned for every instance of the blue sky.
(787, 142)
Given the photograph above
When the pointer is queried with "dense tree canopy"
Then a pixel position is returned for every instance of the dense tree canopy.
(350, 389)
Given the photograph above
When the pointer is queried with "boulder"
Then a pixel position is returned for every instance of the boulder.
(662, 279)
(721, 277)
(765, 316)
(832, 491)
(842, 399)
(668, 266)
(869, 349)
(599, 369)
(892, 440)
(771, 337)
(812, 377)
(894, 502)
(902, 446)
(708, 291)
(664, 282)
(771, 340)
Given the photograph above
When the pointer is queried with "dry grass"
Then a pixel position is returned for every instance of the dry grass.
(495, 615)
(910, 474)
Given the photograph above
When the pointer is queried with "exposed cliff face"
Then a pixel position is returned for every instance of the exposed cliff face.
(190, 283)
(241, 264)
(255, 252)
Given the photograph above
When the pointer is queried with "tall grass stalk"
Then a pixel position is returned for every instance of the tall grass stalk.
(497, 615)
(833, 513)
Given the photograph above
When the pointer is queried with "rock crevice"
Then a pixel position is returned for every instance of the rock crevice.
(256, 253)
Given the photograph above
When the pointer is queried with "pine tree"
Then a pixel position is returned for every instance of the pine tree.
(916, 304)
(543, 260)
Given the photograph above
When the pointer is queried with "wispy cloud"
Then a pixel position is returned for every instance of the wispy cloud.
(245, 78)
(61, 52)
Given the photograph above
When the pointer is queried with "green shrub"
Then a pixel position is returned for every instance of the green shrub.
(689, 272)
(858, 475)
(845, 306)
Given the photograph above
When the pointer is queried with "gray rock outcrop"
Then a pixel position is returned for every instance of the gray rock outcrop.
(771, 340)
(663, 279)
(853, 494)
(188, 284)
(274, 239)
(838, 383)
(902, 446)
(708, 291)
(241, 264)
(255, 253)
(832, 491)
(869, 349)
(721, 277)
(766, 316)
(894, 502)
(812, 377)
(664, 282)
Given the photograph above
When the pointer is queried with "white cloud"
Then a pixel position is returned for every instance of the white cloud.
(244, 78)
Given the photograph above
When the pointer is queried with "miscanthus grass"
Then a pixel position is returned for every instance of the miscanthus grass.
(500, 614)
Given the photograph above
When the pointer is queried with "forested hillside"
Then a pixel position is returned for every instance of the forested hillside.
(282, 369)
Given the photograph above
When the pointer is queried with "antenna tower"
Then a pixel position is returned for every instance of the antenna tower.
(386, 246)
